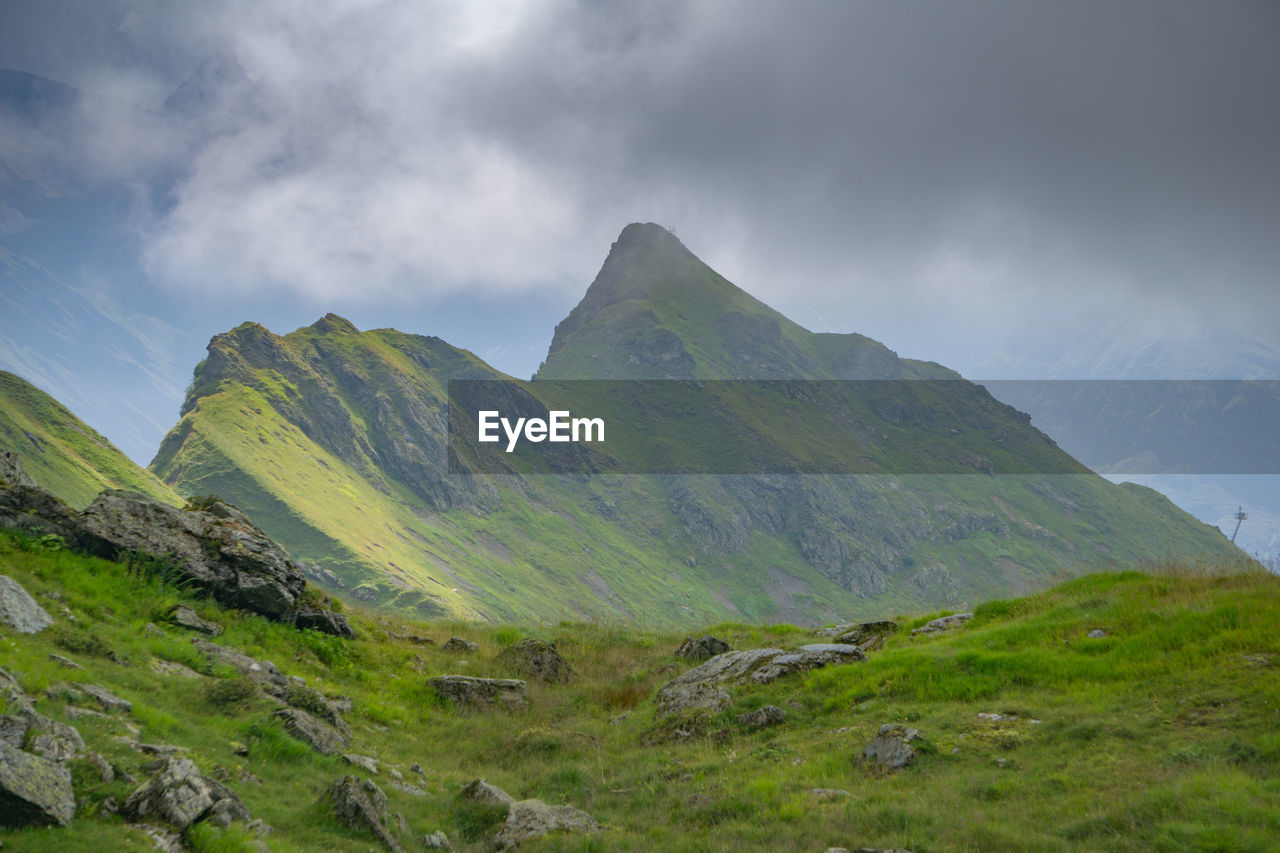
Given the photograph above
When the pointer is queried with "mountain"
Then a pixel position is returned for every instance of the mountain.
(333, 440)
(62, 453)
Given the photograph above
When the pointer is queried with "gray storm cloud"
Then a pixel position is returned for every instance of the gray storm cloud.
(990, 162)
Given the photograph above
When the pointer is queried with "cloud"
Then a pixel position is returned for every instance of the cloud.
(985, 163)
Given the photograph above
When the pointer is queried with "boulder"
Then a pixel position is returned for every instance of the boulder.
(530, 819)
(702, 648)
(867, 636)
(481, 791)
(757, 666)
(361, 805)
(364, 762)
(436, 841)
(217, 549)
(11, 473)
(325, 621)
(537, 659)
(179, 795)
(458, 644)
(19, 610)
(481, 693)
(321, 737)
(681, 699)
(107, 699)
(264, 672)
(33, 790)
(943, 623)
(891, 747)
(184, 617)
(769, 715)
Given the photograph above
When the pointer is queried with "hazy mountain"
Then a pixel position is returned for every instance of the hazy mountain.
(334, 441)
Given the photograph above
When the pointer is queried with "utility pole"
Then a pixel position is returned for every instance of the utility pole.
(1240, 516)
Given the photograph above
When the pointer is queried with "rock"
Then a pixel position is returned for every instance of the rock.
(107, 699)
(19, 610)
(364, 762)
(321, 737)
(169, 667)
(326, 621)
(769, 715)
(65, 663)
(537, 659)
(151, 629)
(436, 841)
(457, 644)
(184, 617)
(867, 636)
(106, 772)
(11, 473)
(481, 693)
(417, 768)
(13, 730)
(33, 790)
(361, 805)
(682, 699)
(264, 672)
(759, 666)
(411, 790)
(181, 796)
(530, 819)
(943, 623)
(217, 549)
(481, 791)
(891, 747)
(830, 793)
(1097, 634)
(702, 648)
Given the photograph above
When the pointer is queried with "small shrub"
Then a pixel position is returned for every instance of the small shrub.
(477, 821)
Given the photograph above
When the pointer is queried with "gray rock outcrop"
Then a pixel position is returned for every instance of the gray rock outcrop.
(480, 791)
(702, 648)
(11, 473)
(769, 715)
(320, 736)
(19, 610)
(530, 819)
(868, 636)
(184, 617)
(537, 659)
(699, 697)
(760, 666)
(482, 693)
(943, 623)
(180, 796)
(891, 747)
(361, 805)
(459, 645)
(33, 790)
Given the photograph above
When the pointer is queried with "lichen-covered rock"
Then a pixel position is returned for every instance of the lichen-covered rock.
(436, 841)
(19, 610)
(891, 747)
(702, 648)
(757, 666)
(769, 715)
(867, 636)
(361, 805)
(530, 819)
(180, 796)
(943, 623)
(320, 736)
(480, 791)
(460, 645)
(33, 790)
(680, 699)
(184, 617)
(108, 700)
(325, 621)
(482, 693)
(537, 659)
(11, 473)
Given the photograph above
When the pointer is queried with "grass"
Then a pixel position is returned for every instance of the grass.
(1160, 735)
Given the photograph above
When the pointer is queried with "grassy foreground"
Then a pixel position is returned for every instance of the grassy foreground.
(1164, 734)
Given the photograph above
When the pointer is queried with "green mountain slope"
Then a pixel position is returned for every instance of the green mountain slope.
(61, 453)
(333, 440)
(1156, 733)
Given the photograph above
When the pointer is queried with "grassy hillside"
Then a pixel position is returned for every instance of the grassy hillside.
(1160, 734)
(62, 453)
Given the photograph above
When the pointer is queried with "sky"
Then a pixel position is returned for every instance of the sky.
(999, 186)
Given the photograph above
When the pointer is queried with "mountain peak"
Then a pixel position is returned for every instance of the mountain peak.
(331, 324)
